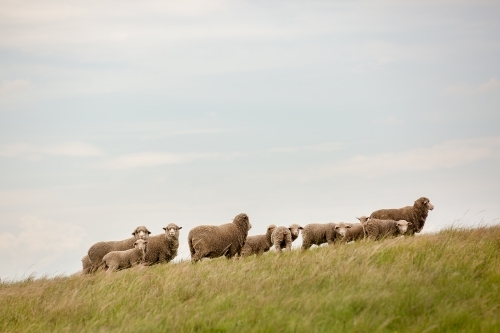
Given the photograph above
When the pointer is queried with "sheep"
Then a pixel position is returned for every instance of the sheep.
(86, 264)
(415, 214)
(377, 229)
(282, 237)
(362, 219)
(116, 260)
(348, 232)
(163, 248)
(210, 241)
(100, 249)
(258, 244)
(317, 234)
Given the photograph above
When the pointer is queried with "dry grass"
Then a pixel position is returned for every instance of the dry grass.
(447, 282)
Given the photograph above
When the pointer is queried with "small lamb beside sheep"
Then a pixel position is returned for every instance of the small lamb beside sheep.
(210, 241)
(378, 229)
(97, 251)
(163, 248)
(348, 232)
(258, 244)
(416, 214)
(116, 260)
(282, 237)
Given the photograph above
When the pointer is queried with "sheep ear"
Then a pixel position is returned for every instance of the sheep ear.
(164, 229)
(409, 223)
(348, 225)
(301, 228)
(179, 228)
(149, 232)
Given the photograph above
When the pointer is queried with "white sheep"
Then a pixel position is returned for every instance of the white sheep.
(116, 260)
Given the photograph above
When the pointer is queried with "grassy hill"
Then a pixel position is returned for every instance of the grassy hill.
(445, 282)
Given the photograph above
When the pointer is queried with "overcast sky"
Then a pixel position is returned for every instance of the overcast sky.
(123, 113)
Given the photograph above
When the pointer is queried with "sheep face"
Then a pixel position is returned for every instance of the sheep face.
(172, 230)
(295, 230)
(424, 202)
(341, 229)
(141, 244)
(402, 226)
(141, 232)
(242, 221)
(362, 219)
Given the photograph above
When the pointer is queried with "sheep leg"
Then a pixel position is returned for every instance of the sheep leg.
(288, 241)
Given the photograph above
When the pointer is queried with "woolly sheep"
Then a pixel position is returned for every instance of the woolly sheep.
(377, 229)
(163, 248)
(258, 244)
(415, 214)
(116, 260)
(348, 232)
(317, 234)
(282, 237)
(100, 249)
(86, 264)
(210, 241)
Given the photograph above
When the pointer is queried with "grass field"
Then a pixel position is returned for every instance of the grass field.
(444, 282)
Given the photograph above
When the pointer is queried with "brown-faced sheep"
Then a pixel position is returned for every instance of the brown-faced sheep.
(347, 232)
(210, 241)
(282, 237)
(378, 229)
(163, 248)
(116, 260)
(258, 244)
(415, 214)
(100, 249)
(86, 264)
(317, 234)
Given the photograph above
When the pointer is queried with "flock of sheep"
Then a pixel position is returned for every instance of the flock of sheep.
(230, 240)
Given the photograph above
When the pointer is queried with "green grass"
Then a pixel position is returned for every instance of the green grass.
(446, 282)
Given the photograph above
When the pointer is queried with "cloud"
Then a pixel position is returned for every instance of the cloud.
(153, 159)
(13, 86)
(312, 148)
(464, 89)
(72, 149)
(447, 155)
(393, 120)
(39, 243)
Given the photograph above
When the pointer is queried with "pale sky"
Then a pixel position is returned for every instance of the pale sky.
(122, 113)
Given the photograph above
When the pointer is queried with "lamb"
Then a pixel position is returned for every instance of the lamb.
(86, 264)
(378, 229)
(210, 241)
(163, 248)
(348, 232)
(258, 244)
(317, 234)
(415, 214)
(362, 219)
(282, 237)
(100, 249)
(116, 260)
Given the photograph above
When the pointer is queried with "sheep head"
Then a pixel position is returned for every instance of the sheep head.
(423, 202)
(341, 228)
(242, 221)
(295, 230)
(141, 232)
(172, 230)
(140, 244)
(362, 219)
(402, 226)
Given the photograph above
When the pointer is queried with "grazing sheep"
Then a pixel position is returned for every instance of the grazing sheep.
(100, 249)
(317, 234)
(258, 244)
(86, 264)
(415, 214)
(210, 241)
(348, 232)
(163, 248)
(377, 229)
(282, 237)
(116, 260)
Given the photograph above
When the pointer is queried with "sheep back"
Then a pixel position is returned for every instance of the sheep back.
(416, 214)
(378, 229)
(209, 241)
(317, 234)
